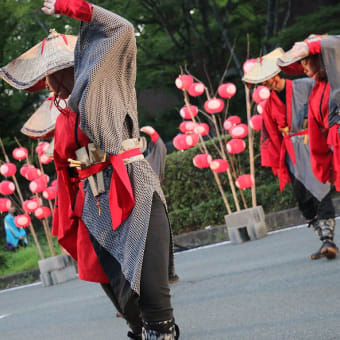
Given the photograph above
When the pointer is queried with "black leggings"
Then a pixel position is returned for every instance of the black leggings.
(154, 302)
(311, 206)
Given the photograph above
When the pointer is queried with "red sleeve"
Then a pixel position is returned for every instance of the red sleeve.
(314, 46)
(76, 9)
(320, 153)
(154, 137)
(271, 140)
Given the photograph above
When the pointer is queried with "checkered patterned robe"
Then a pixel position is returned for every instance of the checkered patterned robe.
(104, 95)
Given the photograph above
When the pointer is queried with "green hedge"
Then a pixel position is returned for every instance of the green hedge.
(194, 200)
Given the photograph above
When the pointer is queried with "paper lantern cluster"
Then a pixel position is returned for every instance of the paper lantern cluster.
(30, 206)
(187, 126)
(202, 129)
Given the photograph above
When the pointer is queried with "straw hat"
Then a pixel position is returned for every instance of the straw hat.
(264, 68)
(290, 64)
(42, 123)
(28, 71)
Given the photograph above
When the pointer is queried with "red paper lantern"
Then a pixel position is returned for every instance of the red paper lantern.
(20, 153)
(32, 174)
(22, 221)
(214, 105)
(227, 90)
(260, 94)
(260, 106)
(24, 169)
(44, 159)
(188, 112)
(30, 206)
(235, 146)
(231, 121)
(41, 147)
(50, 193)
(202, 160)
(187, 126)
(7, 188)
(184, 81)
(196, 89)
(42, 212)
(54, 183)
(183, 142)
(256, 122)
(8, 169)
(38, 200)
(245, 181)
(5, 204)
(219, 165)
(202, 129)
(239, 131)
(248, 64)
(38, 185)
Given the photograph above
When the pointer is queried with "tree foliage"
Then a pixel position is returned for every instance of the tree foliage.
(170, 34)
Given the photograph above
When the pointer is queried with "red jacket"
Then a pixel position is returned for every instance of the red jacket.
(324, 136)
(67, 224)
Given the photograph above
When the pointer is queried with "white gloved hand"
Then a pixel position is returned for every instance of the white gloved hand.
(48, 8)
(300, 49)
(149, 130)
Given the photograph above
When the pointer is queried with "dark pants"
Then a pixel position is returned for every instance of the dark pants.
(311, 206)
(154, 302)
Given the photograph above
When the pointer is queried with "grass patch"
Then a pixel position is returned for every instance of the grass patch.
(25, 258)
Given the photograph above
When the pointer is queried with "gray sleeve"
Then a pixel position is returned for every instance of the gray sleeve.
(330, 49)
(156, 157)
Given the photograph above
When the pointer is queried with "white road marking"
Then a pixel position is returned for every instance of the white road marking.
(21, 287)
(3, 316)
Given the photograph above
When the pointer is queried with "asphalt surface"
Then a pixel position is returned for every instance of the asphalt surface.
(260, 290)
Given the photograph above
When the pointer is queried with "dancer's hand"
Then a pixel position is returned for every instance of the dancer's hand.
(149, 130)
(48, 8)
(300, 49)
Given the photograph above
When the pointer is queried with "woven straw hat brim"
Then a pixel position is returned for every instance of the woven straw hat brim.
(264, 68)
(290, 64)
(54, 53)
(42, 123)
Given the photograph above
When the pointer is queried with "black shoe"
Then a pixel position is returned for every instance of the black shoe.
(318, 254)
(173, 279)
(329, 249)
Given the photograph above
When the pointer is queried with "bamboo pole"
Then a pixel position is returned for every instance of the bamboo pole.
(48, 236)
(35, 238)
(251, 146)
(231, 182)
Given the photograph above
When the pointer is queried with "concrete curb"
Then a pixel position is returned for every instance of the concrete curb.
(275, 221)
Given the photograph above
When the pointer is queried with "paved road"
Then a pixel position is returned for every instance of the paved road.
(260, 290)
